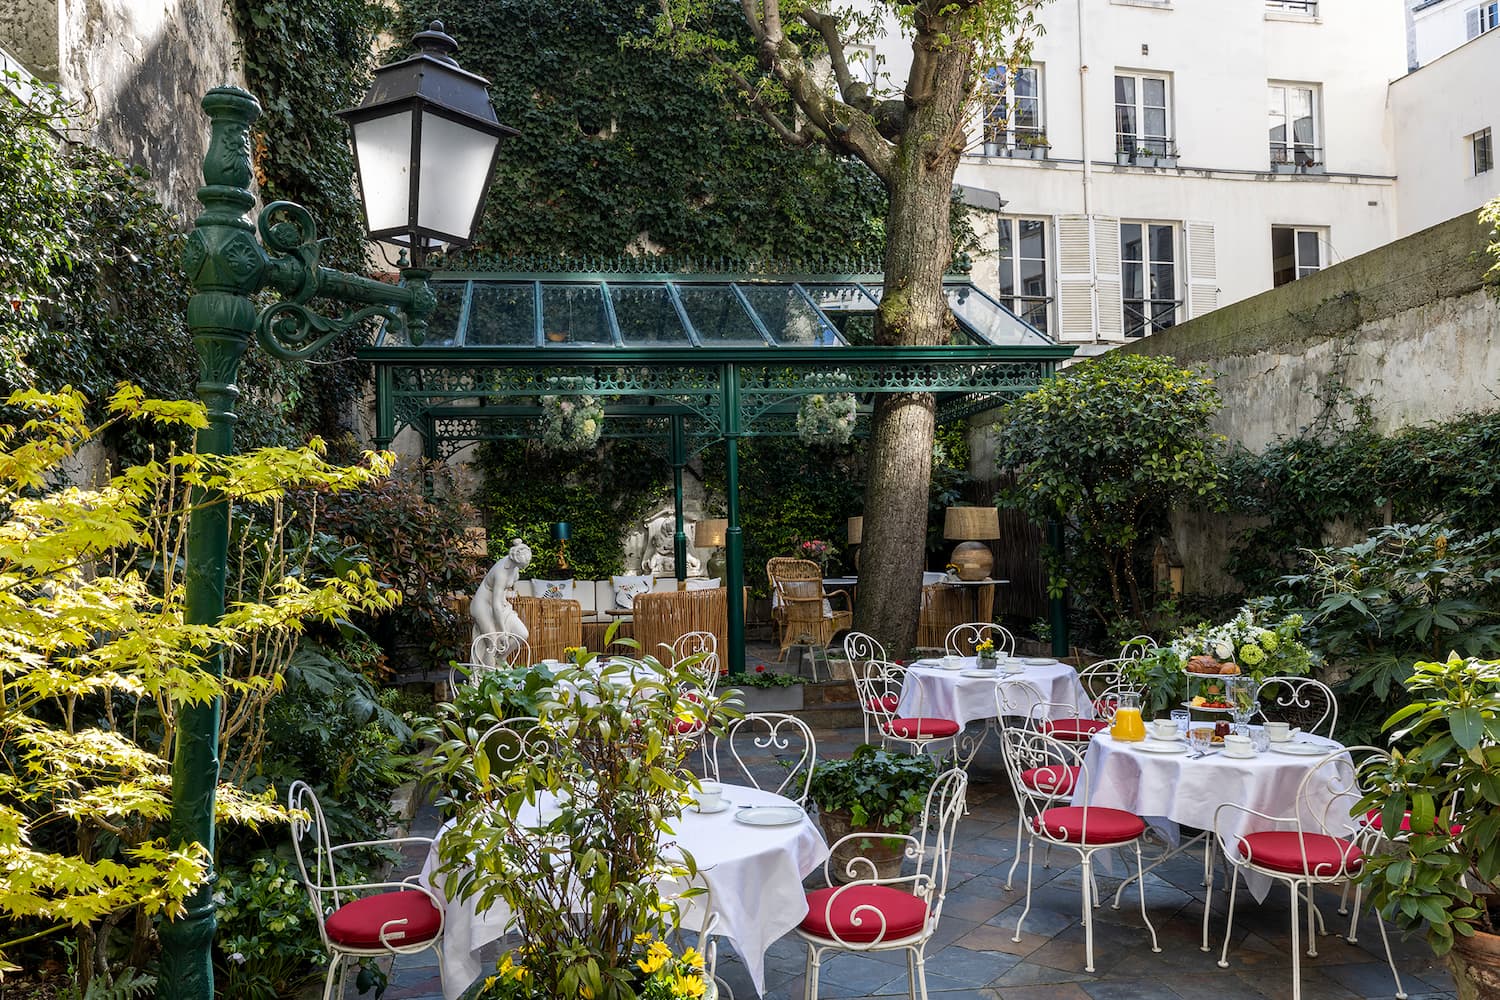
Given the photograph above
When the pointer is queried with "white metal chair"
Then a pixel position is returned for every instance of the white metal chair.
(1321, 845)
(1297, 699)
(1039, 768)
(702, 649)
(1022, 703)
(1102, 682)
(860, 649)
(1137, 647)
(875, 914)
(970, 634)
(878, 688)
(490, 651)
(784, 742)
(365, 919)
(691, 644)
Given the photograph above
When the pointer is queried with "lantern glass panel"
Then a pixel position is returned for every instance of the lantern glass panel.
(455, 166)
(383, 147)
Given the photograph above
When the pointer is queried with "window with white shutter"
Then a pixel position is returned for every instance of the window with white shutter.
(1203, 269)
(1075, 278)
(1107, 286)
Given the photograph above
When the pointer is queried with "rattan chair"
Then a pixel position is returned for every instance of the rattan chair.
(798, 604)
(663, 618)
(552, 625)
(943, 608)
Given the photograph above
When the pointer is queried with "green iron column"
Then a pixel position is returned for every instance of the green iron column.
(226, 266)
(1057, 605)
(734, 547)
(679, 459)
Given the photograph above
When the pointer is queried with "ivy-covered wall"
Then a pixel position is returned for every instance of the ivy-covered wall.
(624, 148)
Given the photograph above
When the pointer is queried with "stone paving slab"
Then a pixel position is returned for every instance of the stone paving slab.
(973, 957)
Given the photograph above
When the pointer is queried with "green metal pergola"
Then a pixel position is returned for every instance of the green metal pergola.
(684, 360)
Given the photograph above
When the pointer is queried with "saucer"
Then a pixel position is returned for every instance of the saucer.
(770, 815)
(1037, 661)
(723, 804)
(980, 674)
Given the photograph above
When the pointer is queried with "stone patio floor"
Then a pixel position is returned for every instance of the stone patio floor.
(972, 955)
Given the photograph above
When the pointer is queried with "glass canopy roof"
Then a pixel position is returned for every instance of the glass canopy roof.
(647, 311)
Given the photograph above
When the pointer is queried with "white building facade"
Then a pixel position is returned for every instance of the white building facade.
(1161, 158)
(1440, 26)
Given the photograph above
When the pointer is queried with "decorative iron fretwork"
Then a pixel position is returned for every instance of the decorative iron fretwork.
(655, 264)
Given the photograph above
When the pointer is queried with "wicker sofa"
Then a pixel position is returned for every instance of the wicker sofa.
(596, 597)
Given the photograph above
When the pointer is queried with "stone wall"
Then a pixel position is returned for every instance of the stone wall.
(136, 71)
(1410, 327)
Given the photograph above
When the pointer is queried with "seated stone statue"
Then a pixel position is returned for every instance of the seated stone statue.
(490, 608)
(660, 559)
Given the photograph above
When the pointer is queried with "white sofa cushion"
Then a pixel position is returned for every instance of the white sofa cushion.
(702, 584)
(558, 589)
(626, 588)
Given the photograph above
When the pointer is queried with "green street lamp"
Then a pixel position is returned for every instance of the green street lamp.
(425, 140)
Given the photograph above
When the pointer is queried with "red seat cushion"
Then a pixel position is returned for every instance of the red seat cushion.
(883, 703)
(903, 914)
(685, 727)
(357, 923)
(1104, 826)
(1058, 779)
(1372, 818)
(1074, 729)
(921, 727)
(1282, 851)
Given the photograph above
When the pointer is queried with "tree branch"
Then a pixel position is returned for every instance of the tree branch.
(766, 112)
(855, 94)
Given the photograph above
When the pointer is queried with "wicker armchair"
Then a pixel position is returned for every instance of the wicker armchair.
(943, 608)
(662, 618)
(800, 607)
(552, 625)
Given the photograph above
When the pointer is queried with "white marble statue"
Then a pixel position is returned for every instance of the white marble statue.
(490, 608)
(659, 559)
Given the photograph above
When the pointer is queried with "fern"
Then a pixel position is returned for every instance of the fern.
(129, 985)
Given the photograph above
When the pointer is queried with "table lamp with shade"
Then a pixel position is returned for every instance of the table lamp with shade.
(711, 533)
(971, 527)
(560, 534)
(856, 536)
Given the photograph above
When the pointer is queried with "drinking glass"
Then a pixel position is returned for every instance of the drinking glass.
(1260, 739)
(1183, 718)
(1202, 739)
(1241, 692)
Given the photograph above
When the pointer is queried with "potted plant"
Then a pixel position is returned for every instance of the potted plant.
(1032, 146)
(576, 828)
(765, 690)
(1145, 156)
(875, 790)
(1443, 782)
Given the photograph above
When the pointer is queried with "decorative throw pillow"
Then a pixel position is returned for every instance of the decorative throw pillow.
(626, 589)
(557, 590)
(700, 584)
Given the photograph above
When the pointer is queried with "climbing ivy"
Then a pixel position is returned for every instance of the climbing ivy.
(626, 148)
(305, 60)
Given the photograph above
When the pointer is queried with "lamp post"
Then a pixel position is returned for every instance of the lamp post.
(450, 122)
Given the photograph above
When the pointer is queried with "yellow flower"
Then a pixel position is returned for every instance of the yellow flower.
(687, 986)
(585, 992)
(660, 949)
(693, 957)
(650, 963)
(642, 937)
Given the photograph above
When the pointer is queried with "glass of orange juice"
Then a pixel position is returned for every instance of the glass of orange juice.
(1128, 726)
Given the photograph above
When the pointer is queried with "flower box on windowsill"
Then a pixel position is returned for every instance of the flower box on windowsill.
(1152, 160)
(1027, 152)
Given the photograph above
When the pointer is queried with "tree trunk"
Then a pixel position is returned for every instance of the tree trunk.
(913, 312)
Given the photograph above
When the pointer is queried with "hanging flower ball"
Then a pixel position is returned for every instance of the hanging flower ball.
(827, 420)
(571, 423)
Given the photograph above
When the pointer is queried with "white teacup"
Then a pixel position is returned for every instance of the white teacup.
(1279, 732)
(1236, 745)
(952, 663)
(1164, 729)
(710, 796)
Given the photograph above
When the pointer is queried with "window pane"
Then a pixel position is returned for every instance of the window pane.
(502, 313)
(574, 314)
(1026, 82)
(1033, 238)
(1130, 241)
(981, 315)
(1154, 92)
(1133, 280)
(1162, 248)
(645, 315)
(1283, 263)
(1135, 319)
(1033, 277)
(1163, 315)
(787, 317)
(716, 313)
(1307, 249)
(1125, 90)
(1007, 260)
(442, 325)
(1163, 282)
(1156, 123)
(840, 298)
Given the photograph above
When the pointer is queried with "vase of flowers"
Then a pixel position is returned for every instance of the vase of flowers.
(984, 652)
(950, 573)
(818, 551)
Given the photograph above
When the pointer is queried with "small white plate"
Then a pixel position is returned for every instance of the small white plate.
(1302, 749)
(769, 815)
(723, 804)
(984, 675)
(956, 666)
(1174, 738)
(1240, 756)
(1037, 661)
(1159, 746)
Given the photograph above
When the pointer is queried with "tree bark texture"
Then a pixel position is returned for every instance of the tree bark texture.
(913, 311)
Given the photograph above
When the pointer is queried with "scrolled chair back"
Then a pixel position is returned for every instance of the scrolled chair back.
(1137, 647)
(1049, 764)
(702, 649)
(494, 649)
(969, 634)
(782, 744)
(301, 799)
(1302, 701)
(1021, 702)
(860, 648)
(878, 686)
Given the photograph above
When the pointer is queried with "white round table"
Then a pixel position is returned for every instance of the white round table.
(1169, 790)
(933, 691)
(754, 876)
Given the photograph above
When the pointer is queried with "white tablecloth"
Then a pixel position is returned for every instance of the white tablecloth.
(1171, 789)
(934, 692)
(754, 876)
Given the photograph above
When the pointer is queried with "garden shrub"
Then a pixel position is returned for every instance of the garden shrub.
(1107, 448)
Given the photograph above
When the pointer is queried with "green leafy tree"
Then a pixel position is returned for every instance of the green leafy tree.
(798, 79)
(1107, 448)
(96, 657)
